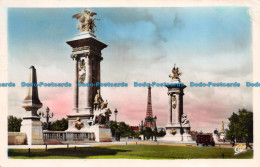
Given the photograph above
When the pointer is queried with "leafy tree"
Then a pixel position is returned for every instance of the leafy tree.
(59, 125)
(14, 124)
(124, 129)
(113, 127)
(241, 126)
(148, 132)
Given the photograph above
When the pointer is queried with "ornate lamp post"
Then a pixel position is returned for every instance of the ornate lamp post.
(115, 114)
(155, 128)
(48, 116)
(117, 133)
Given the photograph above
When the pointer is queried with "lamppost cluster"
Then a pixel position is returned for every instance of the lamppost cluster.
(47, 116)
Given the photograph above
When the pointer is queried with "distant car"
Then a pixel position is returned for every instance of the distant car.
(205, 140)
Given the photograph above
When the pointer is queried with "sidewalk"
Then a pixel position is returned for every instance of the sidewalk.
(139, 142)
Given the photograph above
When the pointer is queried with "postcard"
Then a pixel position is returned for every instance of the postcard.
(129, 83)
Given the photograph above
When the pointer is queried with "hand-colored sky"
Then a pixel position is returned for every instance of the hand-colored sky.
(207, 44)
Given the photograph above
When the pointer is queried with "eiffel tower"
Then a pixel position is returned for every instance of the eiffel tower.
(149, 120)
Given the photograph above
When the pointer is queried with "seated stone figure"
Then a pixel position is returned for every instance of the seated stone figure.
(184, 120)
(98, 100)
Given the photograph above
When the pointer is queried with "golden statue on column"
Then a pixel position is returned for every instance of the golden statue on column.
(86, 20)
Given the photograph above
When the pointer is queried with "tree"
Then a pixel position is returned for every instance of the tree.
(124, 129)
(14, 124)
(113, 127)
(241, 126)
(148, 132)
(59, 125)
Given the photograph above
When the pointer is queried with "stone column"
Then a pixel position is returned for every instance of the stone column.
(170, 109)
(88, 89)
(84, 91)
(76, 93)
(178, 110)
(98, 73)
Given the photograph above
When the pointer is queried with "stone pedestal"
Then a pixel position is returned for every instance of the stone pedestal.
(222, 135)
(215, 137)
(102, 133)
(173, 133)
(84, 124)
(186, 135)
(32, 127)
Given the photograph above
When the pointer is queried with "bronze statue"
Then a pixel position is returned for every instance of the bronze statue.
(107, 115)
(175, 73)
(86, 20)
(104, 105)
(99, 102)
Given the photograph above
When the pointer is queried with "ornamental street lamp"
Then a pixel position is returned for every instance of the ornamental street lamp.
(115, 114)
(155, 128)
(117, 133)
(48, 116)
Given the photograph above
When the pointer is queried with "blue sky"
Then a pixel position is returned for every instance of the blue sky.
(207, 43)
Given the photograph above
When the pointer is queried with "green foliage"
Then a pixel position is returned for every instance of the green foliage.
(124, 129)
(241, 126)
(148, 132)
(113, 127)
(59, 125)
(14, 124)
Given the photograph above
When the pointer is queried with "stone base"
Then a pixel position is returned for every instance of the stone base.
(215, 137)
(99, 133)
(32, 127)
(82, 125)
(104, 134)
(16, 138)
(222, 136)
(171, 137)
(178, 136)
(187, 137)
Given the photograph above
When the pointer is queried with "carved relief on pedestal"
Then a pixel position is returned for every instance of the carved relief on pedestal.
(174, 102)
(78, 124)
(173, 131)
(82, 70)
(81, 48)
